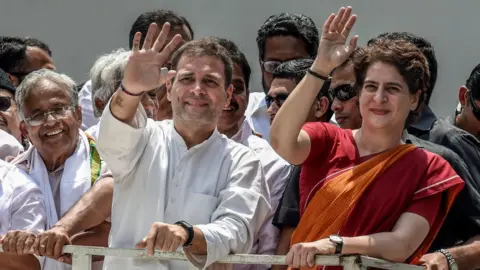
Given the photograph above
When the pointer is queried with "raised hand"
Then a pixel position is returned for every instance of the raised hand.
(333, 50)
(142, 71)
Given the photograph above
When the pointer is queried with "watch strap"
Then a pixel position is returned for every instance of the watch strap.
(189, 229)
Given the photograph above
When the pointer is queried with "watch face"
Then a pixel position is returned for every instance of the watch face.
(336, 238)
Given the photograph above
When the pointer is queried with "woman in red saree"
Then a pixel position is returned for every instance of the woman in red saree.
(364, 191)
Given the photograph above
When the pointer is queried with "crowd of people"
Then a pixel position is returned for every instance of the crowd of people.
(166, 148)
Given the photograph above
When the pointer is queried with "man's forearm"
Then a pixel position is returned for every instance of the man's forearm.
(467, 256)
(124, 106)
(18, 262)
(91, 210)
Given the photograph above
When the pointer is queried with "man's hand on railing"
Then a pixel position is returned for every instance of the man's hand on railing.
(303, 254)
(50, 243)
(435, 261)
(163, 237)
(19, 242)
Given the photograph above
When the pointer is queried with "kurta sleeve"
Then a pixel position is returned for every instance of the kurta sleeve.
(27, 208)
(121, 145)
(242, 208)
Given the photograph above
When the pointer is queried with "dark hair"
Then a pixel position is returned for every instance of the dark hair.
(404, 56)
(425, 47)
(159, 16)
(207, 46)
(13, 56)
(473, 83)
(296, 70)
(238, 57)
(287, 24)
(33, 42)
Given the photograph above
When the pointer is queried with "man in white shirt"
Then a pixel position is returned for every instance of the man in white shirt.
(281, 38)
(63, 161)
(232, 123)
(182, 171)
(21, 209)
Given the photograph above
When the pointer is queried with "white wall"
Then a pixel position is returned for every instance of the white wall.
(78, 31)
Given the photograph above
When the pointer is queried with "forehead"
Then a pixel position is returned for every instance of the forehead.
(45, 94)
(5, 93)
(38, 56)
(383, 73)
(344, 75)
(181, 30)
(280, 85)
(206, 65)
(284, 48)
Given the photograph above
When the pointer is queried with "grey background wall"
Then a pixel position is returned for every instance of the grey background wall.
(78, 31)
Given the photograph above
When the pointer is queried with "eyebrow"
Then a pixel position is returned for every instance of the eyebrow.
(388, 83)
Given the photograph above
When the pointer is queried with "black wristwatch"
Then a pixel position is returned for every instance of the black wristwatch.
(338, 241)
(189, 229)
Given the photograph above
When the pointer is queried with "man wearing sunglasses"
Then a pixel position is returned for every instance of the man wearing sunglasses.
(285, 78)
(10, 135)
(283, 37)
(345, 98)
(468, 117)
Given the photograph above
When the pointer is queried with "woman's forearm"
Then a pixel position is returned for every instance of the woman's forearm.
(385, 246)
(292, 115)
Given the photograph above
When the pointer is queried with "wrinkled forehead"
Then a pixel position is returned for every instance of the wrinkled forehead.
(201, 66)
(45, 94)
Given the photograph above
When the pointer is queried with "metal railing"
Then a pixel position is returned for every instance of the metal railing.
(82, 258)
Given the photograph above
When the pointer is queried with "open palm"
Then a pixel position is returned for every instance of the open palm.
(142, 71)
(333, 50)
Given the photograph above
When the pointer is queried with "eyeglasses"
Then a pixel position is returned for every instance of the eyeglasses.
(475, 109)
(343, 92)
(270, 66)
(57, 113)
(278, 99)
(5, 103)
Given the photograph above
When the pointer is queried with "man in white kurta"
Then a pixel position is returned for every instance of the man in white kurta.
(21, 208)
(181, 169)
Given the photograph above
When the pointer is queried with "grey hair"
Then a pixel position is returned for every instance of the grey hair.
(106, 75)
(32, 80)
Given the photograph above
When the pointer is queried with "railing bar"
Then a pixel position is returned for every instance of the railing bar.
(237, 258)
(82, 254)
(81, 262)
(377, 263)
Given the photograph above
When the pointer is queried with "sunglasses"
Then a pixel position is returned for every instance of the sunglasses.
(270, 66)
(342, 92)
(278, 99)
(475, 109)
(5, 103)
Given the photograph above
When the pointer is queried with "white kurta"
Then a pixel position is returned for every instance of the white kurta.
(21, 201)
(9, 146)
(218, 186)
(277, 171)
(256, 114)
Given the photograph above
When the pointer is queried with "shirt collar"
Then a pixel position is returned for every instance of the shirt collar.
(179, 139)
(426, 121)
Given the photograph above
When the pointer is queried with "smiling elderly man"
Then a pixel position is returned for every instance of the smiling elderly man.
(63, 161)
